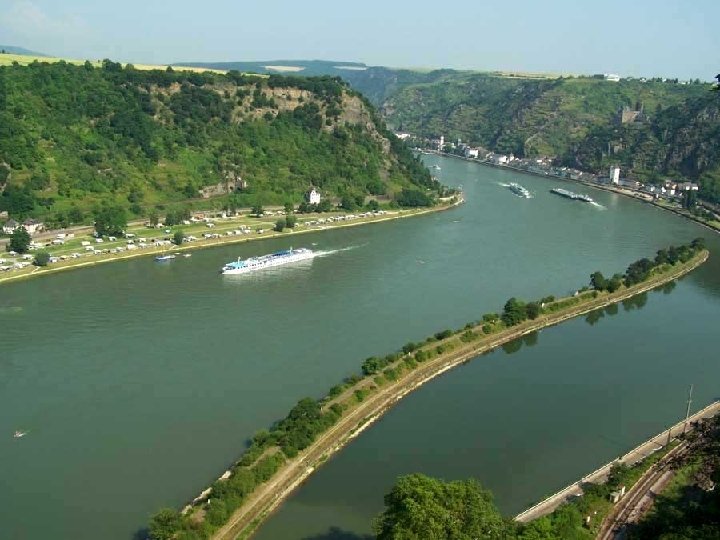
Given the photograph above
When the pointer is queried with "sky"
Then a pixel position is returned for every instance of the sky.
(669, 38)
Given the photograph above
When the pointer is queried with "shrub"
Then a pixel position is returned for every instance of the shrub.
(42, 258)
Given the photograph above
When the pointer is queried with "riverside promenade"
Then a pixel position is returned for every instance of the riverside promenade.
(600, 475)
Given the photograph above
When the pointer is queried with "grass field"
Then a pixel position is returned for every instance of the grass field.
(24, 60)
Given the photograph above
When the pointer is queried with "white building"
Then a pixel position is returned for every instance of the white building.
(442, 143)
(10, 226)
(472, 152)
(615, 174)
(612, 77)
(314, 196)
(33, 225)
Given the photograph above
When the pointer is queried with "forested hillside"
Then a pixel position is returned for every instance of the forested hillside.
(573, 119)
(671, 130)
(73, 138)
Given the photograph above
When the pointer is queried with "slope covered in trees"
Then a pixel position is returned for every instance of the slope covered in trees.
(675, 133)
(73, 138)
(573, 119)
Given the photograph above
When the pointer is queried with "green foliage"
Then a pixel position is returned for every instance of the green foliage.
(20, 240)
(533, 310)
(443, 335)
(18, 201)
(514, 312)
(110, 220)
(419, 507)
(42, 258)
(290, 221)
(414, 198)
(409, 347)
(75, 134)
(178, 237)
(164, 523)
(280, 225)
(304, 422)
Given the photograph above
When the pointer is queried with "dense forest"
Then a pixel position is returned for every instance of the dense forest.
(74, 138)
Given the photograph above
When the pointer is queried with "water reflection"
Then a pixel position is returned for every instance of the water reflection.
(636, 302)
(336, 533)
(529, 340)
(668, 287)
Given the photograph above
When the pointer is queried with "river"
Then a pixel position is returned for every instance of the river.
(139, 382)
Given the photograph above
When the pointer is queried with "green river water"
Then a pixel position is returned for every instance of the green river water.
(140, 382)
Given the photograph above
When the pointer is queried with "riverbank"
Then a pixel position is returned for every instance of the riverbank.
(222, 238)
(641, 452)
(361, 401)
(632, 194)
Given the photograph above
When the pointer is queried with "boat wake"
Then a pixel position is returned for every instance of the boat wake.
(324, 253)
(598, 205)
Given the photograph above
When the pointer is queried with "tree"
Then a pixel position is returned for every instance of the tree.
(289, 208)
(75, 215)
(614, 283)
(153, 217)
(280, 225)
(164, 524)
(373, 205)
(419, 507)
(348, 203)
(257, 210)
(413, 198)
(111, 220)
(42, 258)
(178, 237)
(514, 312)
(290, 222)
(533, 310)
(324, 206)
(20, 240)
(598, 281)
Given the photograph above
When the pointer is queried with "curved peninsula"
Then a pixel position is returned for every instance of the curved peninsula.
(278, 460)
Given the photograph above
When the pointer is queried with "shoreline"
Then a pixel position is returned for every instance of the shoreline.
(223, 240)
(637, 196)
(268, 496)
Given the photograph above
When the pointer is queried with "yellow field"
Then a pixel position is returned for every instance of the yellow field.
(22, 59)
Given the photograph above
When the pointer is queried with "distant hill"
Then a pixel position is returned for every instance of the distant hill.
(75, 137)
(12, 49)
(305, 68)
(668, 129)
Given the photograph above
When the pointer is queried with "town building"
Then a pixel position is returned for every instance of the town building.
(33, 226)
(10, 226)
(313, 196)
(615, 174)
(612, 77)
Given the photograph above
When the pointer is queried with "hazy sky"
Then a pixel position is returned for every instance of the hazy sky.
(671, 38)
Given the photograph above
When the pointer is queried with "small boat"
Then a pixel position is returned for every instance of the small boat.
(163, 258)
(19, 434)
(519, 190)
(187, 255)
(436, 167)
